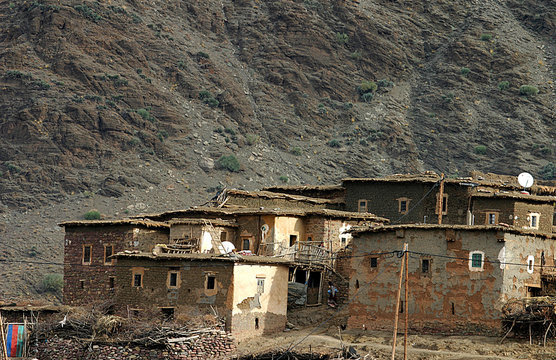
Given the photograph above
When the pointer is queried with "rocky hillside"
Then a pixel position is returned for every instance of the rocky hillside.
(132, 105)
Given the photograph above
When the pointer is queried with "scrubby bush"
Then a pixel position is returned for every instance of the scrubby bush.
(229, 162)
(528, 90)
(334, 143)
(503, 85)
(367, 97)
(548, 172)
(145, 114)
(92, 215)
(464, 71)
(52, 283)
(13, 168)
(203, 55)
(367, 87)
(486, 37)
(356, 55)
(88, 13)
(251, 139)
(284, 179)
(480, 150)
(342, 38)
(384, 84)
(296, 151)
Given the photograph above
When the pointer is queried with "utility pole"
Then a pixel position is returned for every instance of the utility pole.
(397, 308)
(406, 302)
(440, 202)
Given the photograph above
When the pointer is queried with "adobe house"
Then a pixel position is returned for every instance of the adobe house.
(310, 238)
(471, 200)
(332, 192)
(89, 272)
(459, 276)
(249, 291)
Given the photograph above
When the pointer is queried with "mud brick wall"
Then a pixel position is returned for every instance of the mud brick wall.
(504, 207)
(86, 283)
(382, 200)
(190, 296)
(449, 294)
(546, 211)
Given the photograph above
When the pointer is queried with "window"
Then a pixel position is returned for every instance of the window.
(374, 262)
(173, 279)
(111, 282)
(223, 236)
(403, 205)
(444, 203)
(530, 264)
(167, 313)
(362, 205)
(293, 239)
(476, 260)
(82, 284)
(108, 251)
(245, 244)
(260, 285)
(491, 218)
(534, 220)
(87, 250)
(343, 240)
(211, 282)
(425, 266)
(137, 277)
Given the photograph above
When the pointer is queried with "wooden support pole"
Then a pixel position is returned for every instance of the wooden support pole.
(397, 308)
(2, 333)
(440, 202)
(406, 302)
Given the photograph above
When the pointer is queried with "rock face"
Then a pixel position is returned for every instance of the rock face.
(137, 101)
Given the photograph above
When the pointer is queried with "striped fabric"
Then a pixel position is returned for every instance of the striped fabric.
(15, 340)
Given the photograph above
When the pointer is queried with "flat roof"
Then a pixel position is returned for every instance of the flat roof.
(512, 195)
(358, 230)
(304, 187)
(476, 179)
(122, 222)
(282, 196)
(264, 211)
(234, 258)
(195, 221)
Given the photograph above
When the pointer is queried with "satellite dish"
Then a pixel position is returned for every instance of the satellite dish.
(228, 247)
(525, 179)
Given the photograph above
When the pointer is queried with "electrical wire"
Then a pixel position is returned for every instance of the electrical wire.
(418, 202)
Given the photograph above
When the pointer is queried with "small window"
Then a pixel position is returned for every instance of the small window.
(108, 251)
(534, 220)
(343, 241)
(223, 236)
(403, 205)
(173, 279)
(476, 261)
(491, 218)
(111, 282)
(137, 277)
(246, 244)
(309, 238)
(211, 282)
(374, 262)
(362, 205)
(82, 284)
(260, 286)
(530, 264)
(425, 266)
(293, 239)
(444, 203)
(87, 250)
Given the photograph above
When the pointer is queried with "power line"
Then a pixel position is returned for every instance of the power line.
(417, 203)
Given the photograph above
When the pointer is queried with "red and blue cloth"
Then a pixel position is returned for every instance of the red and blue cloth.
(15, 340)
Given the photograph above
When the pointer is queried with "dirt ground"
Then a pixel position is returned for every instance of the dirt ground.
(307, 337)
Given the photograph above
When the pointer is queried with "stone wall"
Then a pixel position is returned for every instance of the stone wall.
(214, 345)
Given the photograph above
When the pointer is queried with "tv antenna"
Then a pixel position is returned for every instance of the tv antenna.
(526, 180)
